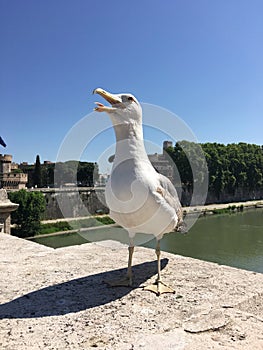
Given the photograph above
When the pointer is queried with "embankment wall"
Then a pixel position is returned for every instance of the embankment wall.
(75, 202)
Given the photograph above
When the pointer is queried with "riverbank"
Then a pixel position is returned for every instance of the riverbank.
(216, 208)
(58, 299)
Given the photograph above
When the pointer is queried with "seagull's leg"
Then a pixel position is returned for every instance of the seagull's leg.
(127, 280)
(129, 272)
(159, 287)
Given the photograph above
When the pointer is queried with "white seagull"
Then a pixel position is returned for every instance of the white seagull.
(140, 199)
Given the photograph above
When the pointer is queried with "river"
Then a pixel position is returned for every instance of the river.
(228, 239)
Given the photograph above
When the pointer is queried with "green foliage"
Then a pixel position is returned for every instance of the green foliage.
(76, 224)
(81, 173)
(87, 173)
(54, 227)
(234, 166)
(190, 162)
(230, 209)
(16, 171)
(230, 166)
(91, 222)
(47, 172)
(28, 215)
(37, 173)
(106, 220)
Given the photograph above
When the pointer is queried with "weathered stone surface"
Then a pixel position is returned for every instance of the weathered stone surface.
(205, 321)
(58, 299)
(3, 196)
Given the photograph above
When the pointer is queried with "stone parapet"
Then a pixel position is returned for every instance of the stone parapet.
(59, 299)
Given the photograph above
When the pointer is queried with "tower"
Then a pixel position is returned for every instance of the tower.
(5, 166)
(10, 178)
(167, 144)
(5, 163)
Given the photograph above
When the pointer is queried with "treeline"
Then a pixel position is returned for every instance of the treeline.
(61, 173)
(230, 167)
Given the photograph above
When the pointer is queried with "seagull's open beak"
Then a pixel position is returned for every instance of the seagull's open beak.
(111, 98)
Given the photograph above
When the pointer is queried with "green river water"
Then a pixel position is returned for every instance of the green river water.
(228, 239)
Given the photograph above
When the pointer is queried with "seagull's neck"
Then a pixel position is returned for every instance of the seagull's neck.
(130, 144)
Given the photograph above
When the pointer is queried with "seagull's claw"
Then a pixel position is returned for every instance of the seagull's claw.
(159, 288)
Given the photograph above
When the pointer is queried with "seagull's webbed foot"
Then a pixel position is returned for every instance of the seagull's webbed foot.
(122, 282)
(159, 288)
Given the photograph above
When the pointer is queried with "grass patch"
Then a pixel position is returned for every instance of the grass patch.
(230, 209)
(106, 220)
(74, 225)
(221, 211)
(54, 227)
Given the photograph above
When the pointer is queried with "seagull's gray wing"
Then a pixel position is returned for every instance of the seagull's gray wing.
(167, 190)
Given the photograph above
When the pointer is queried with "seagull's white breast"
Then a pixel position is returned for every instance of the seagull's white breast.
(133, 200)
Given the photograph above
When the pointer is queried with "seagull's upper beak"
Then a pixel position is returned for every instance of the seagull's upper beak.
(111, 98)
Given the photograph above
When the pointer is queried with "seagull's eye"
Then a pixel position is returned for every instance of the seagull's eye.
(127, 98)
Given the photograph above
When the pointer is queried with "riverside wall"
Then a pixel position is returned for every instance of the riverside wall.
(76, 202)
(239, 195)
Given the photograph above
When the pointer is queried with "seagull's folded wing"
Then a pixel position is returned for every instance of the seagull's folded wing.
(167, 190)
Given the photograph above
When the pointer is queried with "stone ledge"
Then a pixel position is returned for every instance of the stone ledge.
(58, 299)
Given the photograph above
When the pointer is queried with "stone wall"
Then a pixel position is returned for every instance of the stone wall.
(88, 201)
(74, 202)
(240, 195)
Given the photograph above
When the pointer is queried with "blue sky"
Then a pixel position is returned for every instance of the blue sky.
(200, 59)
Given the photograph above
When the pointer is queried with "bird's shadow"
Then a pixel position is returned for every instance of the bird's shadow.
(77, 294)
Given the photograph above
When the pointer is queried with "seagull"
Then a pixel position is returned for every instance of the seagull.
(139, 199)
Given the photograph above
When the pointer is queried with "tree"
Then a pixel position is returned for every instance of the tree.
(29, 213)
(231, 167)
(37, 173)
(44, 175)
(190, 162)
(73, 171)
(87, 173)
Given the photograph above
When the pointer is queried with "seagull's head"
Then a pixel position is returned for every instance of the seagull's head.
(124, 107)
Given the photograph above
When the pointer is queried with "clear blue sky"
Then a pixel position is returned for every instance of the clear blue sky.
(201, 59)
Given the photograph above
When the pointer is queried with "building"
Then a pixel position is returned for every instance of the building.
(161, 163)
(11, 178)
(167, 144)
(102, 180)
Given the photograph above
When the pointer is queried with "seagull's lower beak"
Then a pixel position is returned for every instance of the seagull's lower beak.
(111, 98)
